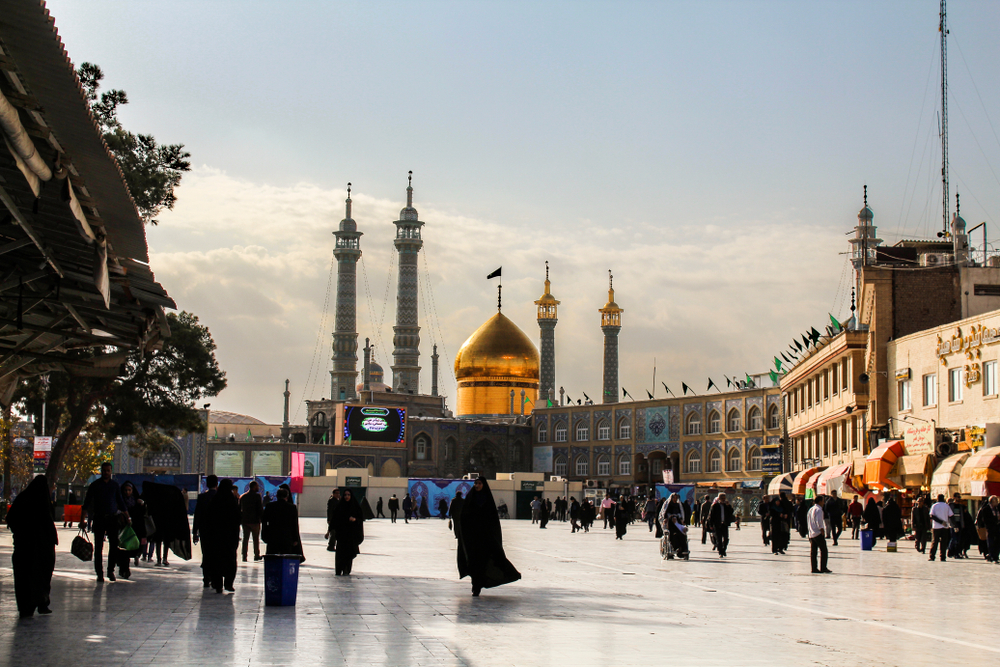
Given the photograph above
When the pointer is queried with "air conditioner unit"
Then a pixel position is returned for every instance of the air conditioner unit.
(934, 259)
(557, 478)
(590, 484)
(945, 449)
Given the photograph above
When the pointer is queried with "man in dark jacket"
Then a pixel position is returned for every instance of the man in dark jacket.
(200, 523)
(706, 507)
(104, 503)
(251, 512)
(834, 509)
(393, 507)
(331, 508)
(719, 519)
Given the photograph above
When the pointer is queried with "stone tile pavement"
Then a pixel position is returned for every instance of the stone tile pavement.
(584, 599)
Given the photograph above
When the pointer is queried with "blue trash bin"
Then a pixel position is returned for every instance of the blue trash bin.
(281, 579)
(867, 537)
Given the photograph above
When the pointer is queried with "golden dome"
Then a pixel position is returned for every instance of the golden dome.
(497, 349)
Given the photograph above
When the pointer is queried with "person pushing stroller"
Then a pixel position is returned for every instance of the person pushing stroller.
(675, 539)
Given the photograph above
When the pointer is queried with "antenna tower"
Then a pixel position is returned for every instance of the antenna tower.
(943, 28)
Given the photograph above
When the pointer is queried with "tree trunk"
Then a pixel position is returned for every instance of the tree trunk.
(79, 411)
(8, 451)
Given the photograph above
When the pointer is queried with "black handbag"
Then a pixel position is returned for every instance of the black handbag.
(150, 526)
(82, 547)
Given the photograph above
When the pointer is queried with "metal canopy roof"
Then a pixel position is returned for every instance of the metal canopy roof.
(81, 232)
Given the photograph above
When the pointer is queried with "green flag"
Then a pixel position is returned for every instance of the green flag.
(836, 324)
(249, 435)
(774, 377)
(216, 432)
(777, 363)
(548, 403)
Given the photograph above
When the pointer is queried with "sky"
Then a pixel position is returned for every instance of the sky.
(711, 154)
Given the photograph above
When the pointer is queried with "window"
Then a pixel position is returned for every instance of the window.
(451, 449)
(714, 422)
(826, 384)
(625, 465)
(734, 420)
(604, 431)
(715, 461)
(694, 462)
(582, 466)
(422, 446)
(773, 417)
(836, 378)
(693, 424)
(843, 374)
(604, 466)
(624, 429)
(756, 423)
(904, 395)
(754, 459)
(954, 385)
(560, 467)
(560, 433)
(930, 389)
(543, 433)
(989, 378)
(733, 464)
(582, 432)
(656, 468)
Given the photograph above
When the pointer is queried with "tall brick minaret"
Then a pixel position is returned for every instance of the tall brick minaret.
(548, 316)
(611, 324)
(344, 375)
(406, 333)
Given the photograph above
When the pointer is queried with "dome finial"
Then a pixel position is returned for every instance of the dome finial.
(348, 216)
(957, 205)
(866, 194)
(546, 270)
(409, 190)
(499, 291)
(852, 301)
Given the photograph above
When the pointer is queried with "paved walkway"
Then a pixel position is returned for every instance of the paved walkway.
(584, 599)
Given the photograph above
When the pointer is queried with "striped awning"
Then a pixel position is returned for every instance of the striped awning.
(913, 471)
(880, 462)
(945, 480)
(801, 481)
(981, 473)
(780, 483)
(833, 478)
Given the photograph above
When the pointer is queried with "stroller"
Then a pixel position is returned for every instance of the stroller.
(674, 542)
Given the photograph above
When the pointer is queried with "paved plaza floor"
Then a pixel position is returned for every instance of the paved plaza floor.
(584, 599)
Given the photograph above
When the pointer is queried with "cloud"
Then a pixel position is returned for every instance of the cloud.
(702, 297)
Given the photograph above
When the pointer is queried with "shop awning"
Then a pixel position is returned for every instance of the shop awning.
(981, 473)
(799, 484)
(832, 479)
(880, 462)
(780, 483)
(858, 472)
(913, 472)
(724, 484)
(753, 483)
(945, 479)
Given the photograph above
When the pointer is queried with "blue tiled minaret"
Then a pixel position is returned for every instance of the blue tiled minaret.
(344, 375)
(406, 333)
(611, 324)
(548, 316)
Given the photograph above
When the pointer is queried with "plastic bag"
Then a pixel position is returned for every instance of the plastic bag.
(127, 540)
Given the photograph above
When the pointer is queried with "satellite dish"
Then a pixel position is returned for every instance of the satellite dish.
(945, 449)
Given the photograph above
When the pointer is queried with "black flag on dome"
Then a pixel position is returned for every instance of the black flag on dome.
(495, 274)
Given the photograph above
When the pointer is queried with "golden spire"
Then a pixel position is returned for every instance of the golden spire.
(611, 314)
(547, 303)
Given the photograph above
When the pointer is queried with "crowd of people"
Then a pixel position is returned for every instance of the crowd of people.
(137, 526)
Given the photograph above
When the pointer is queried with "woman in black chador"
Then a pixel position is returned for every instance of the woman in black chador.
(621, 518)
(480, 542)
(348, 521)
(223, 522)
(30, 520)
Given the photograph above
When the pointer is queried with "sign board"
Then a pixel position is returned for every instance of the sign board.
(42, 452)
(228, 464)
(771, 459)
(902, 373)
(918, 439)
(531, 486)
(542, 459)
(352, 482)
(266, 463)
(311, 465)
(43, 443)
(668, 476)
(374, 424)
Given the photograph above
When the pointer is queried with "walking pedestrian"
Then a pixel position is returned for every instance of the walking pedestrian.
(136, 509)
(855, 511)
(574, 515)
(104, 504)
(331, 531)
(781, 527)
(425, 512)
(988, 523)
(393, 507)
(649, 511)
(873, 520)
(608, 511)
(378, 509)
(251, 515)
(222, 521)
(588, 514)
(941, 514)
(70, 500)
(455, 511)
(834, 508)
(957, 527)
(706, 509)
(816, 520)
(543, 514)
(280, 527)
(536, 510)
(407, 508)
(720, 517)
(348, 520)
(443, 508)
(892, 519)
(920, 521)
(480, 544)
(200, 525)
(34, 557)
(621, 518)
(764, 512)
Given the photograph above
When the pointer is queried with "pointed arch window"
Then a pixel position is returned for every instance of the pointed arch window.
(733, 420)
(694, 463)
(714, 422)
(754, 419)
(733, 463)
(715, 461)
(693, 426)
(773, 417)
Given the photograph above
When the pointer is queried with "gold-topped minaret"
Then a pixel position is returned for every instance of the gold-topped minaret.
(611, 324)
